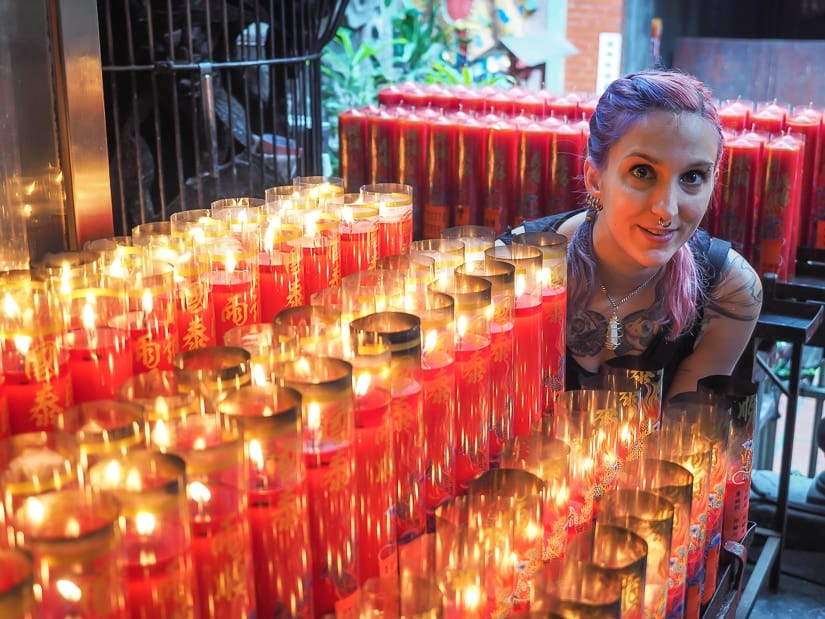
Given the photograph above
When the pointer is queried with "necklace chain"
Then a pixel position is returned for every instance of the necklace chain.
(613, 338)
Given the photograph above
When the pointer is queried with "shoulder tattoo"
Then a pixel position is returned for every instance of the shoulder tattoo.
(742, 301)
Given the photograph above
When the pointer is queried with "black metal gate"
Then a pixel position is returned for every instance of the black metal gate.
(208, 99)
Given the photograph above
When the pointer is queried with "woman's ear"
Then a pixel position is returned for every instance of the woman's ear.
(592, 178)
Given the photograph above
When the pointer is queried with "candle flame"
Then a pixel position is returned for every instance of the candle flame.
(430, 341)
(112, 474)
(521, 284)
(147, 303)
(160, 435)
(313, 417)
(311, 225)
(546, 276)
(258, 375)
(256, 454)
(197, 234)
(269, 235)
(116, 269)
(10, 307)
(461, 326)
(199, 492)
(230, 263)
(65, 278)
(382, 208)
(87, 316)
(134, 483)
(472, 597)
(145, 523)
(199, 443)
(346, 215)
(72, 527)
(22, 343)
(362, 384)
(35, 512)
(68, 590)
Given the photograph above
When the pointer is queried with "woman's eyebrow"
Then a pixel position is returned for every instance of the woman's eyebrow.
(699, 163)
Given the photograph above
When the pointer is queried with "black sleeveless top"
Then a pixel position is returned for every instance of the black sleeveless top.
(710, 254)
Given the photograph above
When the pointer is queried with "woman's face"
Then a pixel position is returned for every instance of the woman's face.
(662, 168)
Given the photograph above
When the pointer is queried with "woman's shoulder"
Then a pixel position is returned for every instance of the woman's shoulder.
(564, 223)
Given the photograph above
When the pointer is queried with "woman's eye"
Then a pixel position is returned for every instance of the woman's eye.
(694, 177)
(641, 171)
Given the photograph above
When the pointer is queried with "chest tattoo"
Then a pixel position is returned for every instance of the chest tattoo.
(587, 329)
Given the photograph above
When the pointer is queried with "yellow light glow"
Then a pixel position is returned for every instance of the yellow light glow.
(461, 326)
(134, 483)
(160, 435)
(230, 263)
(521, 284)
(35, 512)
(256, 454)
(269, 235)
(199, 492)
(87, 316)
(430, 341)
(346, 215)
(113, 474)
(311, 224)
(362, 384)
(22, 343)
(199, 443)
(313, 417)
(147, 303)
(258, 375)
(68, 590)
(10, 307)
(145, 523)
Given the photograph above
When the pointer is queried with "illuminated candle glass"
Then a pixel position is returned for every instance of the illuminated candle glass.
(553, 249)
(267, 344)
(548, 459)
(279, 197)
(501, 278)
(678, 442)
(370, 356)
(447, 253)
(67, 265)
(411, 458)
(505, 512)
(75, 540)
(473, 418)
(100, 351)
(233, 285)
(16, 599)
(436, 311)
(366, 292)
(318, 187)
(404, 597)
(195, 224)
(579, 590)
(319, 328)
(229, 208)
(709, 414)
(34, 356)
(527, 357)
(166, 393)
(270, 419)
(33, 463)
(395, 215)
(212, 448)
(151, 489)
(476, 239)
(461, 564)
(645, 376)
(327, 420)
(418, 270)
(620, 555)
(359, 236)
(650, 516)
(220, 369)
(280, 268)
(5, 424)
(103, 428)
(320, 252)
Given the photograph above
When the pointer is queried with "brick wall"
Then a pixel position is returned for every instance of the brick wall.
(585, 20)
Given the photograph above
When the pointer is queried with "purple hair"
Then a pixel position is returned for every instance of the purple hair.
(621, 107)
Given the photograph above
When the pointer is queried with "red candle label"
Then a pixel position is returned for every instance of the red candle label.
(438, 391)
(472, 417)
(501, 388)
(196, 318)
(98, 367)
(553, 336)
(33, 406)
(153, 350)
(406, 412)
(439, 179)
(470, 158)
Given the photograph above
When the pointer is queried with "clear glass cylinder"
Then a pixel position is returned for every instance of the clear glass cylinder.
(359, 237)
(151, 489)
(476, 239)
(164, 394)
(447, 254)
(280, 268)
(103, 428)
(319, 328)
(407, 597)
(270, 419)
(327, 419)
(220, 369)
(395, 215)
(267, 344)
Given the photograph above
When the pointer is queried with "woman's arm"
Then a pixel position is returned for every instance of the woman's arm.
(730, 316)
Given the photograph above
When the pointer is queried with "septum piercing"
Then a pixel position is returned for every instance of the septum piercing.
(665, 224)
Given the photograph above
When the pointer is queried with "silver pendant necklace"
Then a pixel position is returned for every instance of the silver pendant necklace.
(613, 337)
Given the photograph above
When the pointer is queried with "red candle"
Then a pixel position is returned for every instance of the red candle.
(553, 336)
(440, 176)
(500, 102)
(468, 99)
(280, 271)
(406, 409)
(769, 117)
(382, 141)
(564, 108)
(501, 386)
(37, 386)
(500, 174)
(531, 105)
(526, 367)
(220, 550)
(566, 157)
(470, 156)
(233, 298)
(807, 123)
(443, 98)
(438, 393)
(532, 171)
(390, 95)
(359, 239)
(376, 484)
(154, 589)
(735, 114)
(195, 316)
(472, 409)
(735, 510)
(318, 263)
(100, 360)
(5, 428)
(352, 138)
(412, 162)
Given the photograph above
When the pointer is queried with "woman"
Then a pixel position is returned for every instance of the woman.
(641, 273)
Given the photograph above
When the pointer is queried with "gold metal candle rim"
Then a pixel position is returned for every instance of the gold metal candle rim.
(264, 410)
(234, 363)
(402, 330)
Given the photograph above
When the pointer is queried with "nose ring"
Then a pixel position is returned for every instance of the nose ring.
(665, 224)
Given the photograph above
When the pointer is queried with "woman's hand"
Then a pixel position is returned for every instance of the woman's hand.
(731, 313)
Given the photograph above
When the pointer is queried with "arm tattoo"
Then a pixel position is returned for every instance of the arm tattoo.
(747, 289)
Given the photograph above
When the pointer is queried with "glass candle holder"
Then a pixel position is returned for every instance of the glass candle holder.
(476, 239)
(395, 215)
(318, 187)
(267, 344)
(553, 249)
(501, 278)
(320, 250)
(436, 311)
(327, 420)
(418, 270)
(212, 448)
(651, 517)
(319, 328)
(646, 376)
(411, 454)
(164, 394)
(447, 253)
(620, 555)
(16, 599)
(359, 237)
(461, 563)
(103, 428)
(100, 349)
(270, 418)
(34, 356)
(5, 424)
(527, 357)
(151, 489)
(505, 512)
(406, 597)
(31, 464)
(220, 369)
(280, 268)
(674, 483)
(472, 296)
(196, 225)
(75, 538)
